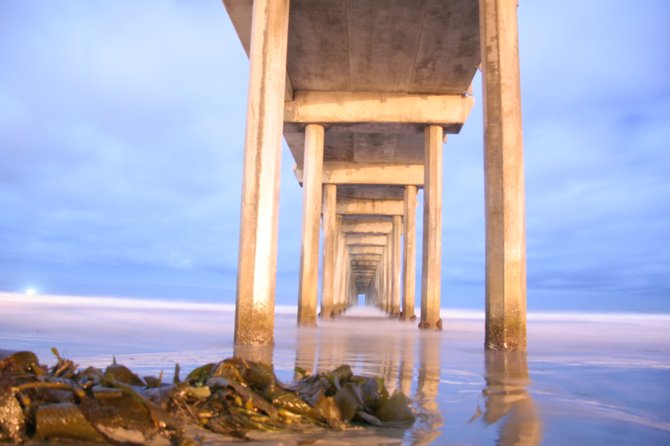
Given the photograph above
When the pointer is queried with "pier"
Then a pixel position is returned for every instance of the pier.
(365, 94)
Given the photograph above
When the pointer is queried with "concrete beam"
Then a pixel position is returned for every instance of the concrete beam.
(358, 239)
(367, 227)
(369, 257)
(378, 250)
(354, 206)
(339, 172)
(329, 107)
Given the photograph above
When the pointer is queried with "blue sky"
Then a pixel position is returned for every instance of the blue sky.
(121, 133)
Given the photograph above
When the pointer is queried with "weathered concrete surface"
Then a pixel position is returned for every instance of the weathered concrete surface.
(504, 178)
(341, 173)
(339, 277)
(387, 80)
(311, 205)
(257, 259)
(364, 239)
(396, 261)
(374, 107)
(353, 206)
(432, 231)
(409, 254)
(329, 253)
(409, 48)
(366, 226)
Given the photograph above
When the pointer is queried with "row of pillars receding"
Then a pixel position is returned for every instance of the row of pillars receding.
(365, 257)
(504, 192)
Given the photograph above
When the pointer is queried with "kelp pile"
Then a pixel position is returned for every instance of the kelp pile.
(233, 397)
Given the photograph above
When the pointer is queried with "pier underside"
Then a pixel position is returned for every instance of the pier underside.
(365, 93)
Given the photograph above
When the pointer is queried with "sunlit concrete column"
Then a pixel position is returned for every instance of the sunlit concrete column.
(329, 243)
(432, 229)
(409, 254)
(311, 213)
(257, 259)
(388, 270)
(504, 177)
(338, 297)
(397, 255)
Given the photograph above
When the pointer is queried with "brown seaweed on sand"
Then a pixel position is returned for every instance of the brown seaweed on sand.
(233, 397)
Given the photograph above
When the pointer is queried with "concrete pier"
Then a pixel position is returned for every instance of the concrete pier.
(431, 274)
(311, 203)
(409, 254)
(396, 262)
(257, 260)
(504, 178)
(365, 93)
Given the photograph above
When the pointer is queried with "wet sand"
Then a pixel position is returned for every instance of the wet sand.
(587, 378)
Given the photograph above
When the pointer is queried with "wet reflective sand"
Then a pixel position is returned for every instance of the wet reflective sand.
(603, 380)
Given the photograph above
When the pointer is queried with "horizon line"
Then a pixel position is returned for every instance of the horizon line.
(445, 312)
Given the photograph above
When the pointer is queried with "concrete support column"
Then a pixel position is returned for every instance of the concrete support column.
(338, 296)
(311, 213)
(432, 230)
(397, 255)
(388, 271)
(409, 257)
(257, 259)
(329, 251)
(504, 177)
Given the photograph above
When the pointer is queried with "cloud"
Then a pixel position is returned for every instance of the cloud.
(122, 126)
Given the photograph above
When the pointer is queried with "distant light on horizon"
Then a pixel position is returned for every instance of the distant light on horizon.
(31, 291)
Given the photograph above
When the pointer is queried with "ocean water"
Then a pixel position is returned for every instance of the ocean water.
(586, 379)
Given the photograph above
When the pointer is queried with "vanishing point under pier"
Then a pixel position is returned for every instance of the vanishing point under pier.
(365, 94)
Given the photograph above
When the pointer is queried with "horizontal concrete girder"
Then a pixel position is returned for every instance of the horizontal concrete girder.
(358, 239)
(329, 107)
(379, 250)
(365, 257)
(340, 172)
(370, 207)
(366, 227)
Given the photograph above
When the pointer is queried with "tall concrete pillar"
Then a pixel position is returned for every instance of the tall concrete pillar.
(311, 213)
(338, 295)
(409, 255)
(504, 177)
(329, 244)
(257, 258)
(397, 254)
(388, 264)
(432, 229)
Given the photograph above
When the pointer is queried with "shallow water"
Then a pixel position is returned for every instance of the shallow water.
(587, 379)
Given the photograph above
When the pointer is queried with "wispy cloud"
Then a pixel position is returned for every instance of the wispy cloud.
(121, 133)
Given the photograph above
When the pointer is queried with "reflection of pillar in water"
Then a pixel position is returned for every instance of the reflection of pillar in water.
(305, 354)
(428, 384)
(391, 361)
(331, 352)
(506, 396)
(407, 365)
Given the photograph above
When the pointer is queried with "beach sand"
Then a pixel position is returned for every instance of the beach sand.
(587, 378)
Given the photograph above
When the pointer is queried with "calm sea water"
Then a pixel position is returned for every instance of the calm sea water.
(587, 379)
